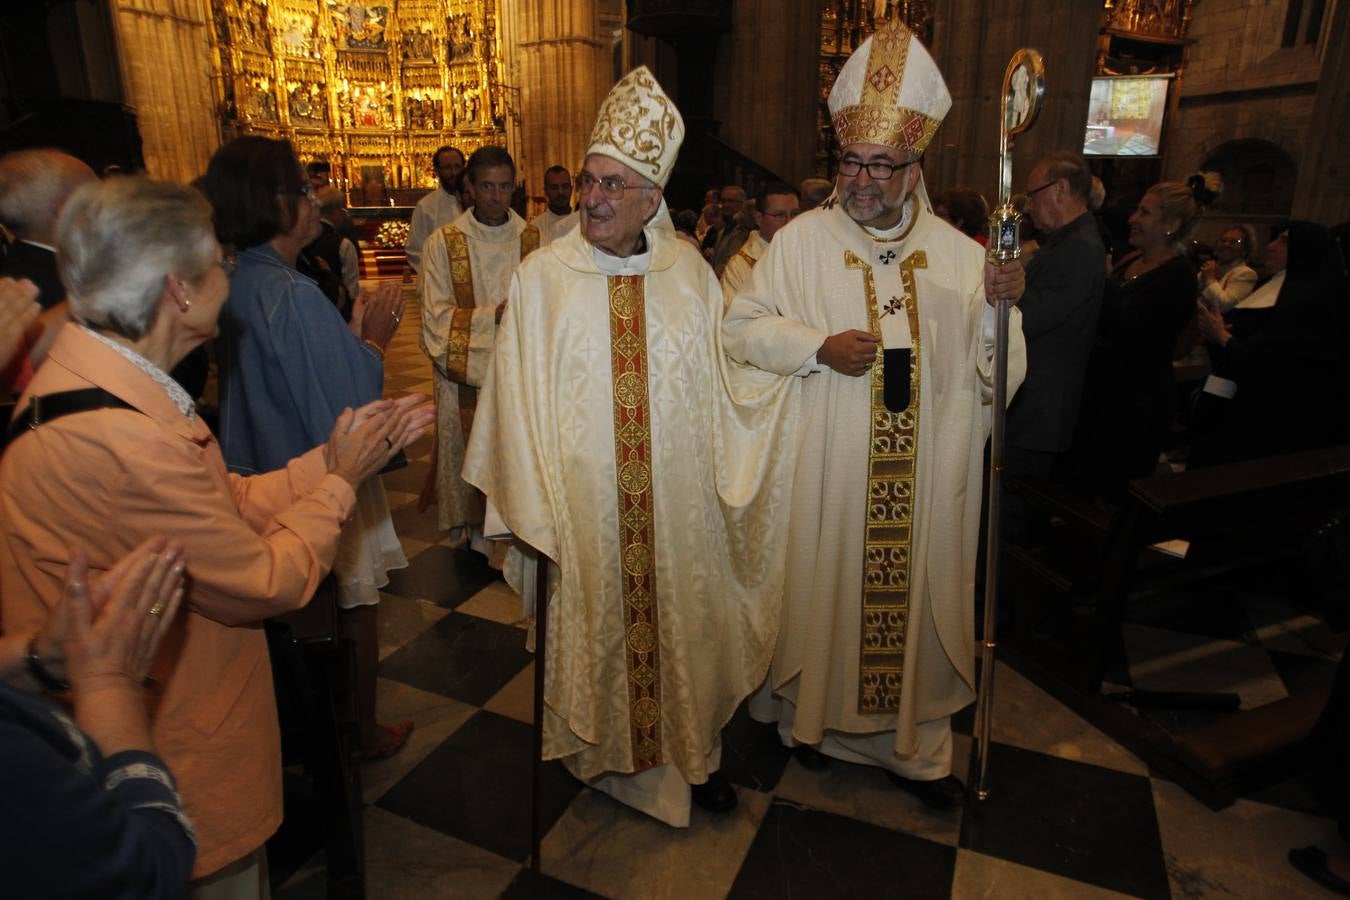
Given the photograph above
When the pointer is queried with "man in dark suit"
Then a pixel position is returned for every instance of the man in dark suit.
(1063, 298)
(34, 185)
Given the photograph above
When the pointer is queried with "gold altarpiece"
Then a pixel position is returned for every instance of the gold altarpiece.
(371, 86)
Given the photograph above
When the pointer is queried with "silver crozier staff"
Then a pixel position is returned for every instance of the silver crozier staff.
(1023, 91)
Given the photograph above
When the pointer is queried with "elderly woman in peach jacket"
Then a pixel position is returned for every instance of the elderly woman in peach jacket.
(147, 280)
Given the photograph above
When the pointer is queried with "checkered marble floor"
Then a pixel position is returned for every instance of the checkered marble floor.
(1072, 814)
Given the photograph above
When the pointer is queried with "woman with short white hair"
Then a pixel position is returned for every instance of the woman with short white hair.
(107, 450)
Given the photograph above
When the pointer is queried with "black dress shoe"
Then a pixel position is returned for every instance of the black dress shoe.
(810, 757)
(715, 795)
(945, 793)
(1312, 862)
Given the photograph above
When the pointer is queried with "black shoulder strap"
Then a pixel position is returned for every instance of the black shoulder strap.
(54, 406)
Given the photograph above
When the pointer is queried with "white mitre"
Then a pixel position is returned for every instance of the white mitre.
(639, 126)
(890, 92)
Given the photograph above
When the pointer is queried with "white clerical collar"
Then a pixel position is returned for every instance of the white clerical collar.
(897, 231)
(1265, 296)
(637, 264)
(491, 229)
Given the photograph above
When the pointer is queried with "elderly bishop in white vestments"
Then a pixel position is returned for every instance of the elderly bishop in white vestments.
(879, 307)
(600, 440)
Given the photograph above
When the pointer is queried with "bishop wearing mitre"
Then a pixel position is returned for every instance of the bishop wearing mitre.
(606, 441)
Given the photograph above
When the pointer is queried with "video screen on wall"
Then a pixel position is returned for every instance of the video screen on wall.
(1125, 116)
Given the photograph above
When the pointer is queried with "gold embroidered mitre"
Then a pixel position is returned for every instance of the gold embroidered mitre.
(639, 126)
(889, 92)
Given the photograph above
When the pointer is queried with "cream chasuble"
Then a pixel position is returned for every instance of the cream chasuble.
(737, 271)
(878, 621)
(553, 226)
(433, 212)
(466, 269)
(602, 437)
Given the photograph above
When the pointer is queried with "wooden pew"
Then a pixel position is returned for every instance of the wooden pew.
(1234, 516)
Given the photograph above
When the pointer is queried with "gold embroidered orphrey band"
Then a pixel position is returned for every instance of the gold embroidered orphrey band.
(637, 545)
(888, 537)
(461, 285)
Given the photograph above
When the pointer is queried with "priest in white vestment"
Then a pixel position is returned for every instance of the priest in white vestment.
(467, 268)
(438, 208)
(775, 206)
(880, 307)
(559, 218)
(599, 440)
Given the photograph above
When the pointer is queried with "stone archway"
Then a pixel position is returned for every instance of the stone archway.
(1258, 177)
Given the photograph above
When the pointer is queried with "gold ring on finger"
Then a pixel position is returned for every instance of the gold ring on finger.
(156, 610)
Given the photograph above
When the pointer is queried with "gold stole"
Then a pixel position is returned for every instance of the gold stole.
(461, 282)
(888, 538)
(637, 546)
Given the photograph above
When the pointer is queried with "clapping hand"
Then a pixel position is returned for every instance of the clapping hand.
(376, 318)
(115, 624)
(18, 310)
(364, 440)
(1211, 324)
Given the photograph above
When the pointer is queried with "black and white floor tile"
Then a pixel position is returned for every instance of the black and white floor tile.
(1071, 813)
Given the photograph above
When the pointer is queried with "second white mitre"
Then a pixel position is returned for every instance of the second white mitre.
(639, 126)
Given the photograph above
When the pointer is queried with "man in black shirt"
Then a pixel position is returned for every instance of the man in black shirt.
(1063, 299)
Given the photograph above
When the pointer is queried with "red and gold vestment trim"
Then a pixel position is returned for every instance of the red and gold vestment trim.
(637, 545)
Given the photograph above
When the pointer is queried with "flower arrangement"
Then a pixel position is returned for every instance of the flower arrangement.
(393, 235)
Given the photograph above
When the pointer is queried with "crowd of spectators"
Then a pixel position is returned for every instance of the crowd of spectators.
(170, 777)
(161, 764)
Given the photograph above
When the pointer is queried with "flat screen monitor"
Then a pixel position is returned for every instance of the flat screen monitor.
(1125, 115)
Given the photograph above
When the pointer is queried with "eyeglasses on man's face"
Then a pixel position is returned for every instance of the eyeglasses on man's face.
(1034, 191)
(612, 186)
(877, 170)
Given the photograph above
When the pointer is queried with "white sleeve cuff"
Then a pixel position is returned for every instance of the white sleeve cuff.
(810, 367)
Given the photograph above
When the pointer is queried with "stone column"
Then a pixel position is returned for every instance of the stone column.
(972, 47)
(165, 52)
(1323, 191)
(561, 61)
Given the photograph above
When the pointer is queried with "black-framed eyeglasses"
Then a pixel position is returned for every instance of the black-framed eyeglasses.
(784, 214)
(878, 171)
(612, 186)
(1034, 191)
